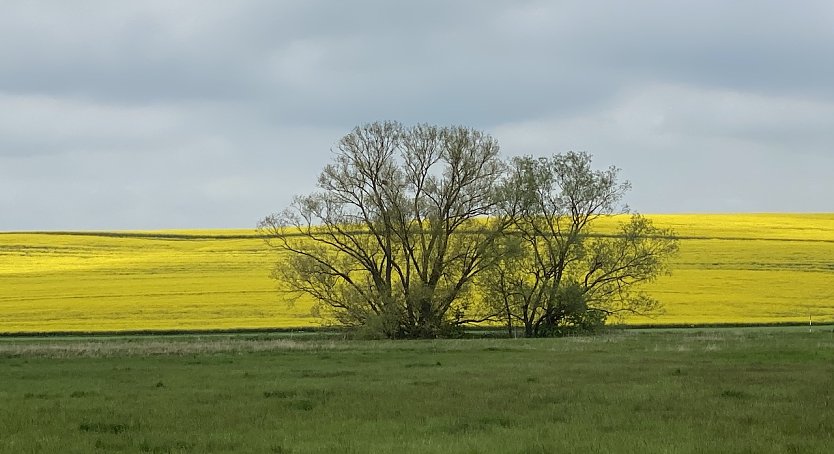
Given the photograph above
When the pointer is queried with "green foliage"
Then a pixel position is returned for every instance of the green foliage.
(557, 276)
(387, 324)
(583, 322)
(575, 317)
(402, 222)
(406, 219)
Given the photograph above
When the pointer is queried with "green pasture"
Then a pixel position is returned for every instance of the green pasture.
(695, 391)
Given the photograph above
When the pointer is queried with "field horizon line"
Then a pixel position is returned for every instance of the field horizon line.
(473, 331)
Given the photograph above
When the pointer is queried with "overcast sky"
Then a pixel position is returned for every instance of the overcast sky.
(202, 114)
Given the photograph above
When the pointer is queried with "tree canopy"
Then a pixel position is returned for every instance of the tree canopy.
(558, 274)
(414, 231)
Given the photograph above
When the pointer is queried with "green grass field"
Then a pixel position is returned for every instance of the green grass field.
(767, 268)
(688, 391)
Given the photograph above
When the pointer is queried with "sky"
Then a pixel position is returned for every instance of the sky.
(201, 114)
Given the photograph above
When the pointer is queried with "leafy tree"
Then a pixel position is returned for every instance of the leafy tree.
(557, 275)
(403, 220)
(407, 220)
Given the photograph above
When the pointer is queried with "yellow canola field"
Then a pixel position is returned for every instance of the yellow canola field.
(747, 268)
(52, 282)
(731, 269)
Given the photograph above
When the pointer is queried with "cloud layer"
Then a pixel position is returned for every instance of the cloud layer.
(162, 115)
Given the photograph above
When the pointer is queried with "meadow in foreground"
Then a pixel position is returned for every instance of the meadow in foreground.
(731, 269)
(765, 390)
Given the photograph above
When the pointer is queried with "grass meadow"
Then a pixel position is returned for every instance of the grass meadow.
(767, 268)
(753, 390)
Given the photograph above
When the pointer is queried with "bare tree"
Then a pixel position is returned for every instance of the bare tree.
(557, 273)
(403, 220)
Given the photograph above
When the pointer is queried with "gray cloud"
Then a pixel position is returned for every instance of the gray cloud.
(189, 114)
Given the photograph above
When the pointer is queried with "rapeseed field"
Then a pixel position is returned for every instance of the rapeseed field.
(160, 280)
(751, 268)
(754, 268)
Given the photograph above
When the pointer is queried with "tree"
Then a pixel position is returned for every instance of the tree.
(557, 274)
(403, 220)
